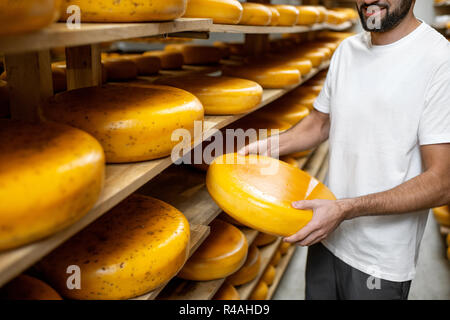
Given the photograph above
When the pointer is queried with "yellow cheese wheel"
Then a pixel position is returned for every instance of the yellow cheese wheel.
(221, 11)
(275, 16)
(322, 13)
(227, 292)
(276, 258)
(132, 122)
(255, 14)
(4, 99)
(25, 287)
(260, 292)
(249, 270)
(303, 65)
(168, 60)
(60, 170)
(136, 247)
(269, 77)
(307, 89)
(258, 191)
(263, 239)
(126, 10)
(146, 65)
(288, 14)
(316, 57)
(335, 17)
(196, 54)
(221, 254)
(224, 48)
(284, 247)
(442, 215)
(26, 16)
(287, 110)
(269, 275)
(299, 101)
(290, 160)
(256, 122)
(120, 69)
(219, 95)
(308, 15)
(300, 154)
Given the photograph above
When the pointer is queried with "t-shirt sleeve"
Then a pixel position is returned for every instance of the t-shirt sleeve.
(434, 126)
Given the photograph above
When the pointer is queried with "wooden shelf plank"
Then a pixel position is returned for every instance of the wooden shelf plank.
(121, 181)
(280, 269)
(316, 160)
(198, 234)
(267, 253)
(250, 234)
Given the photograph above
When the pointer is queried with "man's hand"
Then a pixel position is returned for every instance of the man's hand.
(261, 147)
(328, 214)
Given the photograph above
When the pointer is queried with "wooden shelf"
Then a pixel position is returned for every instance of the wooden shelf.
(442, 4)
(58, 35)
(280, 269)
(230, 28)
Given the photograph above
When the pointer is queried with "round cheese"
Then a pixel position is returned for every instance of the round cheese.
(286, 110)
(260, 292)
(168, 60)
(322, 13)
(219, 95)
(146, 65)
(221, 254)
(227, 292)
(4, 99)
(442, 215)
(26, 16)
(269, 275)
(25, 287)
(284, 247)
(308, 15)
(249, 270)
(288, 14)
(60, 169)
(303, 65)
(196, 54)
(224, 48)
(290, 160)
(300, 154)
(255, 14)
(316, 57)
(120, 69)
(263, 239)
(266, 188)
(268, 76)
(132, 122)
(221, 11)
(258, 123)
(126, 10)
(136, 247)
(276, 258)
(275, 16)
(306, 89)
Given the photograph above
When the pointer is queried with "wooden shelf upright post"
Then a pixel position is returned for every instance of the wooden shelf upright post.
(84, 68)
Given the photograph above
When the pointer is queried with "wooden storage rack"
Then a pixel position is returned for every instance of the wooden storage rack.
(27, 59)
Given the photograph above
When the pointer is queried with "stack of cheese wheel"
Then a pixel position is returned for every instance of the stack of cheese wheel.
(136, 247)
(221, 11)
(60, 169)
(132, 122)
(249, 270)
(269, 275)
(168, 60)
(227, 292)
(25, 287)
(26, 16)
(302, 64)
(322, 13)
(275, 16)
(4, 99)
(146, 64)
(219, 95)
(255, 14)
(125, 11)
(196, 54)
(265, 187)
(220, 255)
(442, 215)
(263, 239)
(260, 292)
(308, 15)
(288, 14)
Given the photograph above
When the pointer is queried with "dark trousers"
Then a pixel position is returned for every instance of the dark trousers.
(329, 278)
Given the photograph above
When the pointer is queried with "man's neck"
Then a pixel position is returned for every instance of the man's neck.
(408, 25)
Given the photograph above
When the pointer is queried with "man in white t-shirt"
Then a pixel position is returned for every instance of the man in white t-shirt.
(385, 108)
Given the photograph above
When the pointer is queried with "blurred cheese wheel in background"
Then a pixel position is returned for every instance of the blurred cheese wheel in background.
(249, 270)
(220, 255)
(146, 65)
(169, 60)
(442, 215)
(263, 239)
(284, 247)
(322, 13)
(26, 16)
(308, 15)
(25, 287)
(258, 123)
(224, 48)
(303, 65)
(290, 160)
(260, 292)
(219, 95)
(227, 292)
(196, 54)
(268, 76)
(65, 163)
(266, 188)
(126, 11)
(221, 11)
(255, 14)
(276, 259)
(269, 274)
(300, 154)
(4, 99)
(275, 16)
(287, 110)
(133, 122)
(134, 248)
(120, 69)
(288, 14)
(316, 57)
(306, 89)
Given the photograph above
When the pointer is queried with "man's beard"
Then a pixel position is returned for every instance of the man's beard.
(390, 21)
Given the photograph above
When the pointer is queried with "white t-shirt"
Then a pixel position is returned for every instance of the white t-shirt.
(384, 103)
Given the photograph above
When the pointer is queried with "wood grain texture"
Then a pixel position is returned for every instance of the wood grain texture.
(84, 68)
(280, 269)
